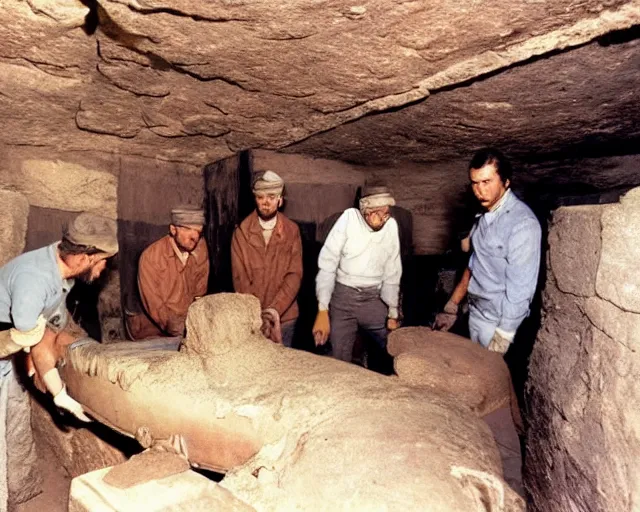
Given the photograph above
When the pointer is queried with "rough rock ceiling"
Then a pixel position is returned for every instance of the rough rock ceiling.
(194, 81)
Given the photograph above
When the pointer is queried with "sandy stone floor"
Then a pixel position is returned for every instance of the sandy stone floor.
(55, 495)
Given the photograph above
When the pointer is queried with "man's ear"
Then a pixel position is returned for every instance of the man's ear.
(172, 230)
(507, 183)
(280, 202)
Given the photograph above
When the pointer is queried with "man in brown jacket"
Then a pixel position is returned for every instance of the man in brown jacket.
(172, 273)
(266, 258)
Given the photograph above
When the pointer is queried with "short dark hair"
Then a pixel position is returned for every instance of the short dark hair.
(67, 248)
(495, 157)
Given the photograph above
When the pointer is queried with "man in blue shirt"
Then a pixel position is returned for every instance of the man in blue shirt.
(502, 274)
(33, 289)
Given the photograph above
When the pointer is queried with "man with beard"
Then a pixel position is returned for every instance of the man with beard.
(172, 273)
(358, 281)
(33, 291)
(266, 259)
(501, 277)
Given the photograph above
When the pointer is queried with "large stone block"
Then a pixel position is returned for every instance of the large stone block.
(183, 492)
(583, 440)
(618, 278)
(65, 186)
(574, 240)
(14, 211)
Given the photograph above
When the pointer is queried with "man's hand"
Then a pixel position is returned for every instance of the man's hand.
(392, 324)
(500, 341)
(64, 401)
(271, 325)
(175, 326)
(445, 320)
(321, 328)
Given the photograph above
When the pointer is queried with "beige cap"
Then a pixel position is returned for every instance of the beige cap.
(376, 197)
(93, 230)
(268, 181)
(187, 216)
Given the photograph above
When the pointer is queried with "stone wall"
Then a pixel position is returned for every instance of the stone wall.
(583, 447)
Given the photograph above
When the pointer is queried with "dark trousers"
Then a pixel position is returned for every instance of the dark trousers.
(352, 309)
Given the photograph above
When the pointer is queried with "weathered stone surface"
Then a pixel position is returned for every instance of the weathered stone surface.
(560, 107)
(64, 186)
(78, 450)
(14, 212)
(184, 492)
(574, 243)
(24, 479)
(618, 279)
(193, 82)
(447, 364)
(110, 309)
(584, 425)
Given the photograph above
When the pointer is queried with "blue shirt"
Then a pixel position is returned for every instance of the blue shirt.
(505, 263)
(30, 286)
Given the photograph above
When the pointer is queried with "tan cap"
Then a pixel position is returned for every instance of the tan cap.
(268, 181)
(376, 197)
(187, 216)
(93, 230)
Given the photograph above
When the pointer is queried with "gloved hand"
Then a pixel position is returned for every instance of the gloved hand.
(64, 401)
(500, 341)
(321, 328)
(445, 320)
(271, 325)
(393, 324)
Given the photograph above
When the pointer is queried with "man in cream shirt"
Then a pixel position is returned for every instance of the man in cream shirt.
(358, 281)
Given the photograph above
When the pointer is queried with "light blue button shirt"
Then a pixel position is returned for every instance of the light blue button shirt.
(505, 263)
(30, 286)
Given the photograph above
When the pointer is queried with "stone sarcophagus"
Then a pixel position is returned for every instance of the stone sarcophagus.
(291, 430)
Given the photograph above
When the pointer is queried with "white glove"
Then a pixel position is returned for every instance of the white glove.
(64, 401)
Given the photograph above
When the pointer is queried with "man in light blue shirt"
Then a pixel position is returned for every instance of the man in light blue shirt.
(502, 274)
(33, 289)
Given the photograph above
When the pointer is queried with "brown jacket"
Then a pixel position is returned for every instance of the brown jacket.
(167, 287)
(271, 272)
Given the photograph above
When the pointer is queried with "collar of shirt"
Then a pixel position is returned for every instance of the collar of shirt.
(64, 284)
(268, 225)
(182, 256)
(491, 215)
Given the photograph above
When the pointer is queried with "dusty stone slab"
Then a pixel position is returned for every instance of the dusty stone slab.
(185, 492)
(14, 211)
(618, 280)
(64, 186)
(574, 241)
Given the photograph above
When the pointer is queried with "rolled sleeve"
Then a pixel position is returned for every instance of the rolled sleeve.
(523, 265)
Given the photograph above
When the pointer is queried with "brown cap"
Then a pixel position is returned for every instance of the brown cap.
(93, 230)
